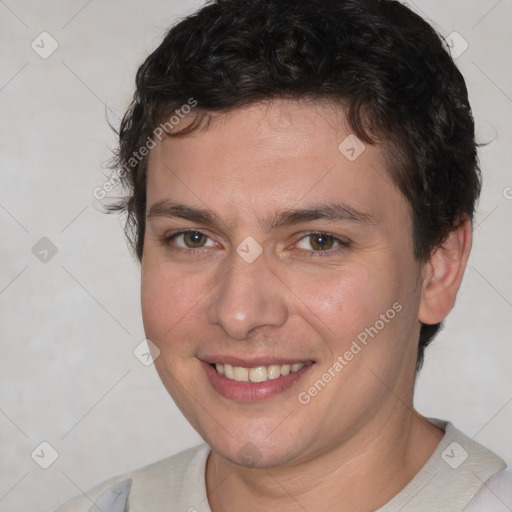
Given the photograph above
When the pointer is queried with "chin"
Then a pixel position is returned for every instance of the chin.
(257, 448)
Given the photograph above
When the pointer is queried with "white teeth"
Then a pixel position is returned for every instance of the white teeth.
(241, 374)
(274, 371)
(228, 371)
(285, 369)
(258, 373)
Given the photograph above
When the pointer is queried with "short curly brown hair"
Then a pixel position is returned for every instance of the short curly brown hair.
(387, 67)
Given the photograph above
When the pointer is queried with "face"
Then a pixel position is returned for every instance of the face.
(279, 283)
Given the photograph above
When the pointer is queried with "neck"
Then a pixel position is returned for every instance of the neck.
(363, 473)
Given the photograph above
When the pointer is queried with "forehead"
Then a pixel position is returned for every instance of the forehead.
(269, 156)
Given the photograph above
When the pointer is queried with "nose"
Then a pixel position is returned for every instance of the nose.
(248, 298)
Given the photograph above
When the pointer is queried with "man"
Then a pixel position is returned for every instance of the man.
(302, 178)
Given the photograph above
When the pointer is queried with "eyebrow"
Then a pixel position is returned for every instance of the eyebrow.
(334, 212)
(166, 208)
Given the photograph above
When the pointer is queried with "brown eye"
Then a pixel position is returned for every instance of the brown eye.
(190, 240)
(321, 241)
(194, 239)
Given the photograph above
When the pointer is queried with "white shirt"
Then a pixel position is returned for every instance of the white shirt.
(461, 475)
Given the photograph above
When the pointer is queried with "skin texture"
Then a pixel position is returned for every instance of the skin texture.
(358, 442)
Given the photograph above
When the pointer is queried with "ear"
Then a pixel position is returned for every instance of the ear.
(443, 273)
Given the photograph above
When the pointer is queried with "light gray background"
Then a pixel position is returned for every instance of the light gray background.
(69, 326)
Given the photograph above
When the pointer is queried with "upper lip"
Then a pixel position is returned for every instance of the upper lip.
(251, 362)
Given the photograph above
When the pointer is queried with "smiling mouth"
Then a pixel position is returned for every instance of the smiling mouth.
(257, 373)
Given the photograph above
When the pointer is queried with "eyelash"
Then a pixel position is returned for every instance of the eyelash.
(166, 241)
(341, 244)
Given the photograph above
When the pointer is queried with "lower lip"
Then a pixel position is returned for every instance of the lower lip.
(251, 391)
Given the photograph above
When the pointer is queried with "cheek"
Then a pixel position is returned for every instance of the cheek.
(341, 303)
(169, 300)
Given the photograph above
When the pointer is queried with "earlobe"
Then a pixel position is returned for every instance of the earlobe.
(443, 273)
